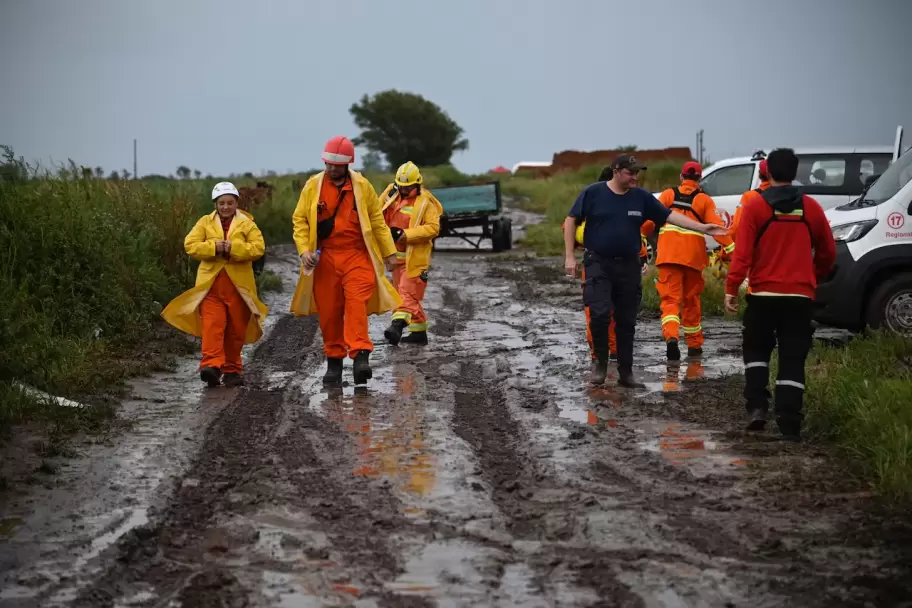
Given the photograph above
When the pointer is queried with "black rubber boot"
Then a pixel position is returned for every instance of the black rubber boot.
(416, 337)
(628, 380)
(333, 373)
(790, 429)
(393, 333)
(694, 351)
(756, 419)
(361, 370)
(211, 376)
(233, 379)
(613, 357)
(672, 350)
(599, 373)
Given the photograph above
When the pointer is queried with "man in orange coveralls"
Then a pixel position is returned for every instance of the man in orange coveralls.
(343, 241)
(222, 308)
(604, 176)
(681, 259)
(764, 184)
(413, 215)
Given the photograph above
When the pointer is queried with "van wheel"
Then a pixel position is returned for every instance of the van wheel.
(890, 306)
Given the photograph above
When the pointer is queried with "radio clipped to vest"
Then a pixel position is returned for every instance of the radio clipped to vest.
(684, 202)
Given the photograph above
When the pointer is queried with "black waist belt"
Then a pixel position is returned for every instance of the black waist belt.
(622, 258)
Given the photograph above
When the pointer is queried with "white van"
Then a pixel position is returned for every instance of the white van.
(871, 284)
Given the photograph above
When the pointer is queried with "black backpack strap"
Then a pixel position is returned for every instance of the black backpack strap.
(684, 202)
(774, 217)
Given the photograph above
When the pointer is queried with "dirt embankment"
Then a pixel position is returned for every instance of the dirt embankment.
(482, 471)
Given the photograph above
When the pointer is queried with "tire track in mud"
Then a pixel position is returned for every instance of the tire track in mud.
(175, 557)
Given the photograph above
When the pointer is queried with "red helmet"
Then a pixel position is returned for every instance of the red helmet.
(339, 151)
(692, 170)
(764, 170)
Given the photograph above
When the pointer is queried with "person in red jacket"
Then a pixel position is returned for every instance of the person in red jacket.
(785, 244)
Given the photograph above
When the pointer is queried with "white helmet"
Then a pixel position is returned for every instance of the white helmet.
(224, 188)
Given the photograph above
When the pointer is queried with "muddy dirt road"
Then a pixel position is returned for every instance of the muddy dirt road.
(477, 471)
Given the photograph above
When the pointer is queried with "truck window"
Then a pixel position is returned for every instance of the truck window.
(892, 181)
(838, 174)
(729, 181)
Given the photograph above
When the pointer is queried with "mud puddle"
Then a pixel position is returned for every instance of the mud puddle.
(483, 471)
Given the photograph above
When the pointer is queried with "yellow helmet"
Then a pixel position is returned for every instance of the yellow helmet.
(579, 232)
(408, 175)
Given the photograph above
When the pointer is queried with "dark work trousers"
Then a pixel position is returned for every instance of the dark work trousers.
(786, 320)
(612, 284)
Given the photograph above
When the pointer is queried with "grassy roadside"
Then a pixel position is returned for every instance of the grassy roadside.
(860, 398)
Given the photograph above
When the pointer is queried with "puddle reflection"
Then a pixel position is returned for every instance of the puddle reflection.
(388, 431)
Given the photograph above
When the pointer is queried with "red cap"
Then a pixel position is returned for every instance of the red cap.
(339, 151)
(764, 171)
(692, 169)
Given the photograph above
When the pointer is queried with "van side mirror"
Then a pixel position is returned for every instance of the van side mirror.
(870, 180)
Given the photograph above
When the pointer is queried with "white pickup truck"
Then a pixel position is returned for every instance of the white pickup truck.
(833, 176)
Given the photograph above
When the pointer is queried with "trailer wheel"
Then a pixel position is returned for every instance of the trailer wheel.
(258, 265)
(502, 234)
(890, 306)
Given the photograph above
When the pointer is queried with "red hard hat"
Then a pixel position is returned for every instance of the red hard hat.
(764, 171)
(692, 169)
(339, 151)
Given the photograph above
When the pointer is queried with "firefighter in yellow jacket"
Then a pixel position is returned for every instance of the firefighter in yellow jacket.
(222, 308)
(413, 215)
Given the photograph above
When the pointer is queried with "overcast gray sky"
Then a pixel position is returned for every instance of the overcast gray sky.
(230, 86)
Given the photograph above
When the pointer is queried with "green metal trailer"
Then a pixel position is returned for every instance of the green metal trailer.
(474, 213)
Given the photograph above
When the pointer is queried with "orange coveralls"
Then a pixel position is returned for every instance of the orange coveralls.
(681, 260)
(733, 230)
(225, 317)
(411, 290)
(344, 277)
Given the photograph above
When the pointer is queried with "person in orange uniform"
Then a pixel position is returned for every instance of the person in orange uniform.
(612, 336)
(222, 308)
(413, 215)
(343, 243)
(681, 259)
(764, 184)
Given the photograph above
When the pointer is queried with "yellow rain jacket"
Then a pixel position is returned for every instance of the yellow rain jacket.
(424, 226)
(247, 245)
(376, 235)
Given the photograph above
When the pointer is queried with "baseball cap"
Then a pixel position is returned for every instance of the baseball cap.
(629, 162)
(692, 169)
(224, 188)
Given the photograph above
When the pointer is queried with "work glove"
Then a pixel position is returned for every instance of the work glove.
(396, 232)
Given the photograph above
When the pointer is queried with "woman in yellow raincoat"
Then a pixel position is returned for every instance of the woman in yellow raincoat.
(222, 308)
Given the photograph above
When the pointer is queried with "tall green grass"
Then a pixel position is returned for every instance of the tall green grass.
(860, 397)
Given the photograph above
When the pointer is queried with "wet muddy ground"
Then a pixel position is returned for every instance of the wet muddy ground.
(480, 470)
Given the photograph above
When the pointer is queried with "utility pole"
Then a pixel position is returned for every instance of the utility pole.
(701, 151)
(135, 169)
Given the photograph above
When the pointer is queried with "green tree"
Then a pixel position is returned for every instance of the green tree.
(115, 176)
(197, 173)
(99, 173)
(183, 172)
(372, 161)
(407, 127)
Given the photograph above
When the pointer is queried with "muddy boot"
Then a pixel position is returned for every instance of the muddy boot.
(599, 373)
(232, 379)
(361, 370)
(393, 333)
(416, 337)
(756, 419)
(333, 373)
(672, 351)
(211, 376)
(628, 380)
(791, 430)
(694, 351)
